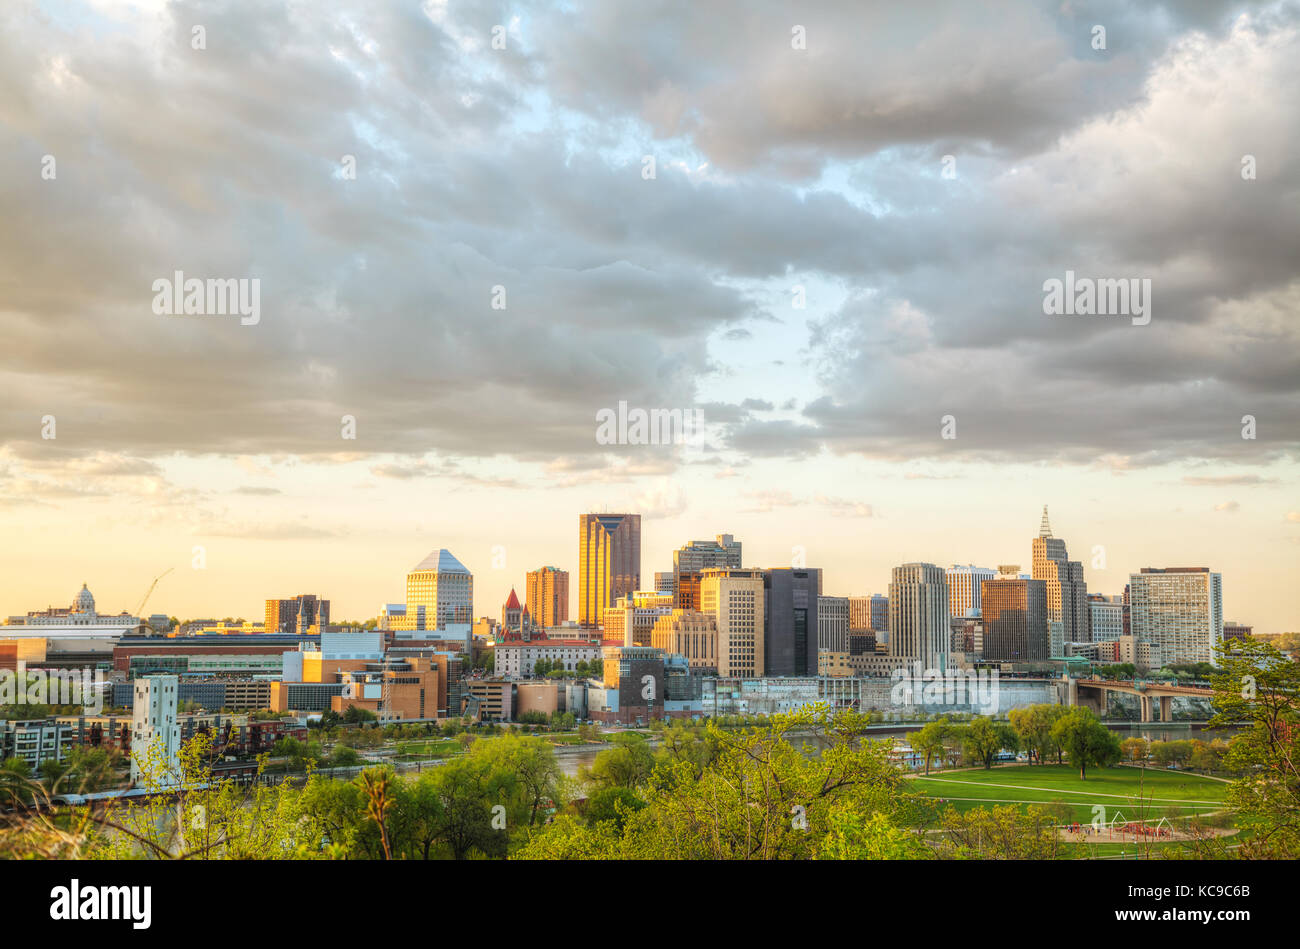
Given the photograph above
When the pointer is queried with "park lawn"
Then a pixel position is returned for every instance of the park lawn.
(436, 747)
(1117, 789)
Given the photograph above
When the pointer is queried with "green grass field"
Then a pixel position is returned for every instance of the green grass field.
(1137, 794)
(428, 748)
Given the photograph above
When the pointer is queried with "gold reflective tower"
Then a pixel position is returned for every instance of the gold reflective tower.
(609, 562)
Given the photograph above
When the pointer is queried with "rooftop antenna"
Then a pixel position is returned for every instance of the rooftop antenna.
(1044, 529)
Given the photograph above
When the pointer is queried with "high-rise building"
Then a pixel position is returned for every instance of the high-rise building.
(686, 590)
(631, 619)
(609, 562)
(439, 592)
(665, 581)
(547, 593)
(1067, 594)
(155, 732)
(1179, 610)
(833, 624)
(918, 615)
(723, 551)
(964, 588)
(870, 614)
(735, 599)
(1014, 615)
(688, 633)
(790, 620)
(1106, 617)
(296, 615)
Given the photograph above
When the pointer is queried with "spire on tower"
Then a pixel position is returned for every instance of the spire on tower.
(1044, 529)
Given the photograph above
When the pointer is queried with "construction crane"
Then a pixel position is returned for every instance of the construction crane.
(139, 610)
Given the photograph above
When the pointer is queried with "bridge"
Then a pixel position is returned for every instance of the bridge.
(1092, 692)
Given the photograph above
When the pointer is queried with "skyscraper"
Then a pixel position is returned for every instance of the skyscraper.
(1179, 610)
(723, 551)
(1106, 617)
(609, 562)
(918, 615)
(790, 622)
(1068, 615)
(735, 599)
(964, 588)
(833, 624)
(439, 591)
(546, 591)
(1015, 619)
(870, 613)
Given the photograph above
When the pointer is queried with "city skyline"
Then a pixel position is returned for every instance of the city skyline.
(488, 577)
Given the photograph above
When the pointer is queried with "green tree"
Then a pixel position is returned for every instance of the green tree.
(1259, 685)
(984, 738)
(614, 804)
(931, 740)
(1003, 832)
(1034, 727)
(627, 765)
(854, 836)
(1085, 740)
(760, 796)
(1135, 749)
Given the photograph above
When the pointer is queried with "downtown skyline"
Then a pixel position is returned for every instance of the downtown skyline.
(340, 578)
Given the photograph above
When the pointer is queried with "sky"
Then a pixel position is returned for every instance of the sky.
(839, 261)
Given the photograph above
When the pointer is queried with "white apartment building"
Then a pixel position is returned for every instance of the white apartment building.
(155, 732)
(1179, 610)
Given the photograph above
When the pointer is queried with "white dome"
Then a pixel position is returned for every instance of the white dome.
(84, 602)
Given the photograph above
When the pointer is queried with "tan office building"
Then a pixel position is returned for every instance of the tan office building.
(688, 633)
(1069, 616)
(735, 599)
(919, 626)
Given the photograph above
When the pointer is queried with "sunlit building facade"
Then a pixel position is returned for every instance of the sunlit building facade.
(546, 592)
(1179, 610)
(609, 562)
(439, 591)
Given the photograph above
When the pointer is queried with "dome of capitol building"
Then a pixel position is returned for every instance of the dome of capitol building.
(83, 602)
